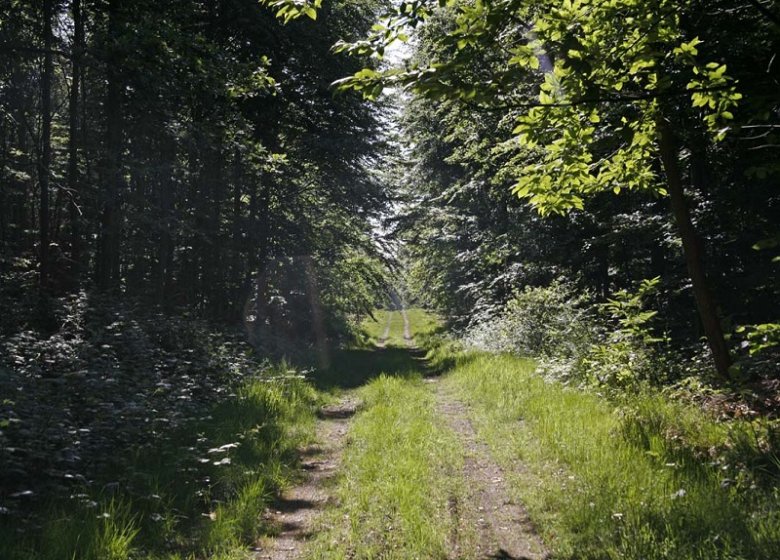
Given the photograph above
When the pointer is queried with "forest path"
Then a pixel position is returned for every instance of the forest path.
(503, 528)
(294, 513)
(468, 487)
(382, 342)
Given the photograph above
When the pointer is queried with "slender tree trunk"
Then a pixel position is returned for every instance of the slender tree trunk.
(3, 203)
(44, 160)
(108, 261)
(692, 248)
(166, 207)
(236, 261)
(74, 213)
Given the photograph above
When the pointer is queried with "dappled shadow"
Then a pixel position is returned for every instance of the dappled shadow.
(355, 367)
(504, 555)
(437, 366)
(291, 505)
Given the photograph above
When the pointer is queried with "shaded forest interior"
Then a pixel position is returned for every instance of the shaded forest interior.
(201, 201)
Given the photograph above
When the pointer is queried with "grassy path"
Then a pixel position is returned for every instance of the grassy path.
(472, 463)
(414, 482)
(293, 514)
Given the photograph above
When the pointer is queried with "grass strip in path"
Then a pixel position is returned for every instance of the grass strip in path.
(401, 472)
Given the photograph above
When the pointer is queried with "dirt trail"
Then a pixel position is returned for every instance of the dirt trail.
(503, 528)
(407, 328)
(295, 512)
(382, 342)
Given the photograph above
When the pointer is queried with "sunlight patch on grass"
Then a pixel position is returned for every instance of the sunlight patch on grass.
(400, 471)
(422, 324)
(602, 481)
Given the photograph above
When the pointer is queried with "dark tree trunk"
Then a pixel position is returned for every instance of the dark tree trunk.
(3, 203)
(693, 250)
(166, 208)
(108, 258)
(44, 159)
(74, 213)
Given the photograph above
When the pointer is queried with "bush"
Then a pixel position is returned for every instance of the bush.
(626, 355)
(543, 322)
(609, 344)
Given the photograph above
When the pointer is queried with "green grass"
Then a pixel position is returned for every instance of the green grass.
(200, 494)
(618, 482)
(400, 470)
(422, 323)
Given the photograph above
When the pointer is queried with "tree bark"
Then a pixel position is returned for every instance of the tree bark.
(108, 258)
(44, 160)
(74, 213)
(693, 251)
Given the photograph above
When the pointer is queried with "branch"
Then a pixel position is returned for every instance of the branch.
(596, 100)
(765, 11)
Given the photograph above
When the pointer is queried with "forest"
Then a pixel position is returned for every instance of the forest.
(389, 279)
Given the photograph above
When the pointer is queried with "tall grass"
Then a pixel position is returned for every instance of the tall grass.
(637, 481)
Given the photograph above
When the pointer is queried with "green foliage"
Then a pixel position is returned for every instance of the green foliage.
(547, 322)
(562, 331)
(761, 337)
(288, 10)
(628, 310)
(577, 56)
(626, 357)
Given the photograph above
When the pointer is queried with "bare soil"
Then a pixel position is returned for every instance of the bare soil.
(407, 328)
(382, 342)
(294, 513)
(502, 526)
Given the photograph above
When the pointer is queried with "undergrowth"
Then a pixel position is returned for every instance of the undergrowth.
(129, 434)
(205, 495)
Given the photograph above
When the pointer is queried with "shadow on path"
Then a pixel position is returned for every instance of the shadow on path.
(355, 367)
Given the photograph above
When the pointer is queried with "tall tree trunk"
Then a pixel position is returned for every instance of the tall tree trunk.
(3, 203)
(44, 160)
(74, 213)
(693, 250)
(165, 186)
(108, 258)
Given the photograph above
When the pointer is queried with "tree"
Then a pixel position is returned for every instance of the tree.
(44, 161)
(589, 84)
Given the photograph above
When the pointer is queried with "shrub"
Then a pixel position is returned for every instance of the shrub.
(543, 322)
